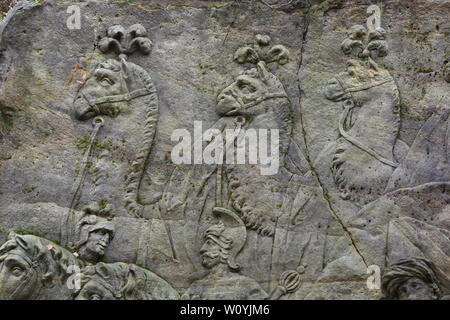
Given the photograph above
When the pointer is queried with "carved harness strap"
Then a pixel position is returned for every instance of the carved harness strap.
(118, 98)
(252, 104)
(365, 86)
(30, 276)
(348, 106)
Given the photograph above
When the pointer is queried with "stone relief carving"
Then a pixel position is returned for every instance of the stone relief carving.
(122, 281)
(127, 41)
(447, 71)
(370, 122)
(411, 279)
(365, 44)
(34, 268)
(257, 99)
(222, 244)
(262, 51)
(289, 282)
(94, 232)
(121, 94)
(121, 87)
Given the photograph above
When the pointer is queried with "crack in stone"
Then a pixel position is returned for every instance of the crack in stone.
(324, 190)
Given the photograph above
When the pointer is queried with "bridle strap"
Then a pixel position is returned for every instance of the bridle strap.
(245, 106)
(263, 98)
(118, 98)
(31, 271)
(358, 143)
(366, 86)
(351, 139)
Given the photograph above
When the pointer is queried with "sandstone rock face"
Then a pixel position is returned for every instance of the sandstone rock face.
(99, 101)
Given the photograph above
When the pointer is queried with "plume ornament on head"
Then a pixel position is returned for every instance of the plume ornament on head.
(365, 44)
(405, 270)
(127, 41)
(262, 51)
(118, 86)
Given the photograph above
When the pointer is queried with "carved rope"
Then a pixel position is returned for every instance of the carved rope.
(133, 181)
(97, 123)
(118, 98)
(355, 141)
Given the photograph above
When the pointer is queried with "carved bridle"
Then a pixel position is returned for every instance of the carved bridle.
(252, 104)
(133, 179)
(93, 103)
(30, 276)
(348, 105)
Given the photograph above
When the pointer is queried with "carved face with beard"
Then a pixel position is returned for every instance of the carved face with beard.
(210, 253)
(222, 245)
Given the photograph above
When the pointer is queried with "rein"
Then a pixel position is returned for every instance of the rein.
(245, 106)
(118, 98)
(349, 104)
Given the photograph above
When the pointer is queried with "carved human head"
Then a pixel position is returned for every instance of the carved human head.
(94, 233)
(224, 240)
(217, 247)
(411, 279)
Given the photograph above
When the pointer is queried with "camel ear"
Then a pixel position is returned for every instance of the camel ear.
(124, 63)
(127, 72)
(263, 71)
(11, 235)
(21, 241)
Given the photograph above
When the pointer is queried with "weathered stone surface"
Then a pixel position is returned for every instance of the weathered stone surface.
(87, 177)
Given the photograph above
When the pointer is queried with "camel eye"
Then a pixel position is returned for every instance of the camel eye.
(246, 87)
(17, 271)
(107, 81)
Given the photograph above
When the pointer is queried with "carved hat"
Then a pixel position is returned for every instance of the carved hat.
(406, 269)
(89, 223)
(231, 227)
